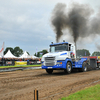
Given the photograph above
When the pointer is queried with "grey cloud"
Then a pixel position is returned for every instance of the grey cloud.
(78, 19)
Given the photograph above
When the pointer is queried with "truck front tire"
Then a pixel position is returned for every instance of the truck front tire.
(68, 68)
(49, 71)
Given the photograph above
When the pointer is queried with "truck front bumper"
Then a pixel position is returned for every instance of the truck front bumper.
(57, 66)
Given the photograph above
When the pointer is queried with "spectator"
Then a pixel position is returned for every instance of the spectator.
(27, 61)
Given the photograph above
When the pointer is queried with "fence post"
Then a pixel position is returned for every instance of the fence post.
(35, 94)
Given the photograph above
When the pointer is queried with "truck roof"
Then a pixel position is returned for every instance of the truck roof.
(58, 43)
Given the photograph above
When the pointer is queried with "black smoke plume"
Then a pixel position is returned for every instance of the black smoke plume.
(77, 19)
(58, 19)
(97, 46)
(95, 24)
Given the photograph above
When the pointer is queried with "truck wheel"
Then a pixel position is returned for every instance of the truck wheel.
(49, 71)
(99, 65)
(68, 68)
(84, 67)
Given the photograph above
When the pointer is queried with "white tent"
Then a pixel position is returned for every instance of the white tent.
(9, 55)
(34, 57)
(25, 55)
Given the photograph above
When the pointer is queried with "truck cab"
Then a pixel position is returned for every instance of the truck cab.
(61, 56)
(61, 48)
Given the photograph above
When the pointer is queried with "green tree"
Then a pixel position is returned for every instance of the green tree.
(41, 53)
(38, 54)
(9, 48)
(17, 51)
(28, 53)
(44, 51)
(35, 54)
(83, 52)
(96, 53)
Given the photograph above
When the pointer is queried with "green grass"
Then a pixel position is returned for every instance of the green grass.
(21, 66)
(92, 93)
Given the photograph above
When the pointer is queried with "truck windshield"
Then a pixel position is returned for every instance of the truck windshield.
(58, 48)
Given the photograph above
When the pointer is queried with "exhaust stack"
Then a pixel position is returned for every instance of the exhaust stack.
(75, 51)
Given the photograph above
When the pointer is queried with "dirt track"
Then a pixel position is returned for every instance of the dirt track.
(20, 85)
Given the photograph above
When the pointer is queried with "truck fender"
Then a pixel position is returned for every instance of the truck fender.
(68, 60)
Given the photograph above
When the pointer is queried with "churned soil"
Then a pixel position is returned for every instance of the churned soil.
(20, 85)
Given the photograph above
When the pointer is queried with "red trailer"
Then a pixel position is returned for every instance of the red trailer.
(97, 58)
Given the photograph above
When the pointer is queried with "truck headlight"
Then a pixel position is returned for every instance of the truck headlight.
(59, 62)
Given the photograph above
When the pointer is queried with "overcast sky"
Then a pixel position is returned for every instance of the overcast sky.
(27, 24)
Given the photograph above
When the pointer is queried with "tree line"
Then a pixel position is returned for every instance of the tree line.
(85, 52)
(40, 53)
(80, 53)
(17, 51)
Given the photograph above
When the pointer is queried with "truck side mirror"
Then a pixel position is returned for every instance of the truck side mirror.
(69, 47)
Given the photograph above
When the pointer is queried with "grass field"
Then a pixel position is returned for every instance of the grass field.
(21, 66)
(92, 93)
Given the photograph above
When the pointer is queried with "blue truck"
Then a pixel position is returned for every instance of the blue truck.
(63, 56)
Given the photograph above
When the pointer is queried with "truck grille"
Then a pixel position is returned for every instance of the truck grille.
(49, 61)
